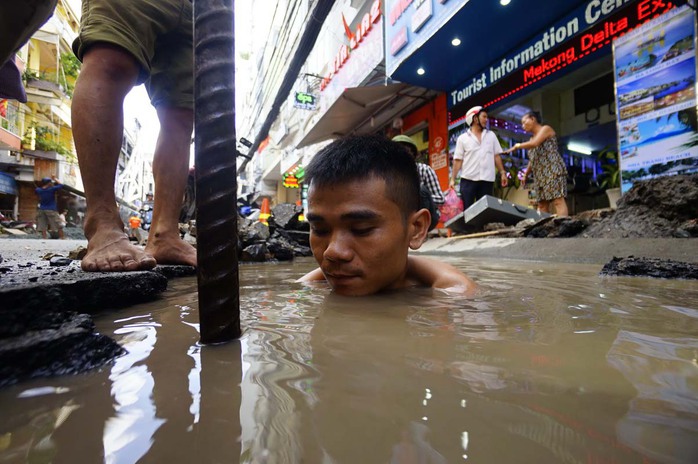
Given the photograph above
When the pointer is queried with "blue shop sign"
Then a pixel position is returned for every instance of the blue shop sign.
(410, 23)
(8, 185)
(592, 26)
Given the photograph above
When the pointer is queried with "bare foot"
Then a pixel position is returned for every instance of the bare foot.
(109, 250)
(170, 249)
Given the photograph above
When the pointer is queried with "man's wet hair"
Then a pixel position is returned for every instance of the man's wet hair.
(358, 157)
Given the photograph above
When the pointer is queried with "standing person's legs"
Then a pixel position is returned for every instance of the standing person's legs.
(170, 169)
(41, 222)
(108, 74)
(560, 206)
(544, 206)
(467, 192)
(54, 222)
(483, 188)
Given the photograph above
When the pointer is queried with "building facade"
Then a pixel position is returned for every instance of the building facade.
(36, 138)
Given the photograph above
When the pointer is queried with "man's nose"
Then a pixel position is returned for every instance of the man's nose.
(339, 248)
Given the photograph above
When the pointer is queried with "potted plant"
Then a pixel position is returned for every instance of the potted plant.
(610, 175)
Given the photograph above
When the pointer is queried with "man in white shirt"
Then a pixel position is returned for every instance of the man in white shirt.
(477, 154)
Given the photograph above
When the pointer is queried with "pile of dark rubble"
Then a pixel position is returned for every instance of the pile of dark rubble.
(285, 236)
(662, 207)
(657, 208)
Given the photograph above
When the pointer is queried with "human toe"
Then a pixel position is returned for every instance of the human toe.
(147, 262)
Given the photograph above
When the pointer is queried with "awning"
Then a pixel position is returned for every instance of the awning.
(363, 110)
(8, 185)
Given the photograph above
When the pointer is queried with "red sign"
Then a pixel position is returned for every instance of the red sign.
(362, 30)
(579, 47)
(397, 10)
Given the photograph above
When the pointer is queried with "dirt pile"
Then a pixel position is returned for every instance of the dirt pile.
(662, 207)
(649, 267)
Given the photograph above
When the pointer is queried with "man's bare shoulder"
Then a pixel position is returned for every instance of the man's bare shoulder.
(313, 276)
(436, 274)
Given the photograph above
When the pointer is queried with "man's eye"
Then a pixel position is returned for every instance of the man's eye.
(320, 232)
(362, 231)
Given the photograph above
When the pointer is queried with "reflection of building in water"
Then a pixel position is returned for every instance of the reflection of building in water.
(278, 390)
(663, 419)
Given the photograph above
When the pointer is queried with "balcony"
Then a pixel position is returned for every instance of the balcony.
(45, 87)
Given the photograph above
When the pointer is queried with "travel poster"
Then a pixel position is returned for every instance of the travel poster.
(655, 73)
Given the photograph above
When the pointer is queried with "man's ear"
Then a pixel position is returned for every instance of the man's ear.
(418, 226)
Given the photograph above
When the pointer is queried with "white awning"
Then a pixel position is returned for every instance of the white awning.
(363, 110)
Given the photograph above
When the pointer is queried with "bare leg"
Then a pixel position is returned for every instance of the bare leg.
(108, 74)
(544, 206)
(560, 206)
(61, 235)
(170, 169)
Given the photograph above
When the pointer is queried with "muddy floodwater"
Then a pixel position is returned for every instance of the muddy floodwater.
(550, 363)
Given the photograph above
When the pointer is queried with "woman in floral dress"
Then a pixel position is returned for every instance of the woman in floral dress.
(546, 162)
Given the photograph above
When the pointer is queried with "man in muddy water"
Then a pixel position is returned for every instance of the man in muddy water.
(122, 44)
(363, 209)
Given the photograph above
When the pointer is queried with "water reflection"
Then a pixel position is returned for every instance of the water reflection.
(169, 390)
(536, 368)
(661, 421)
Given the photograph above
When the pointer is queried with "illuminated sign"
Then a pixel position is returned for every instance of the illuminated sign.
(305, 101)
(362, 30)
(555, 49)
(293, 177)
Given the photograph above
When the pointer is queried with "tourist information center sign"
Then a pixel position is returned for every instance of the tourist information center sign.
(655, 73)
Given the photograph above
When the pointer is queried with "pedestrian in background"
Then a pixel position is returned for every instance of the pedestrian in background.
(47, 214)
(545, 161)
(134, 223)
(429, 182)
(477, 154)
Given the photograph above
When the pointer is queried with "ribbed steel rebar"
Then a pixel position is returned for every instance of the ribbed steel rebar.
(216, 181)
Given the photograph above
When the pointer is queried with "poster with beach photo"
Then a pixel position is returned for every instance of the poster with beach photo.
(655, 72)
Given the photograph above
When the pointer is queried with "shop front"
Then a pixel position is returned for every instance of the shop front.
(354, 97)
(551, 57)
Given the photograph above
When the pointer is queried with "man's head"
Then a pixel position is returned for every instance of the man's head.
(476, 117)
(363, 208)
(406, 142)
(46, 181)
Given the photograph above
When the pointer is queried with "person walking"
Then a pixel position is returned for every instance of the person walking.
(122, 44)
(134, 223)
(47, 214)
(546, 163)
(429, 182)
(477, 154)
